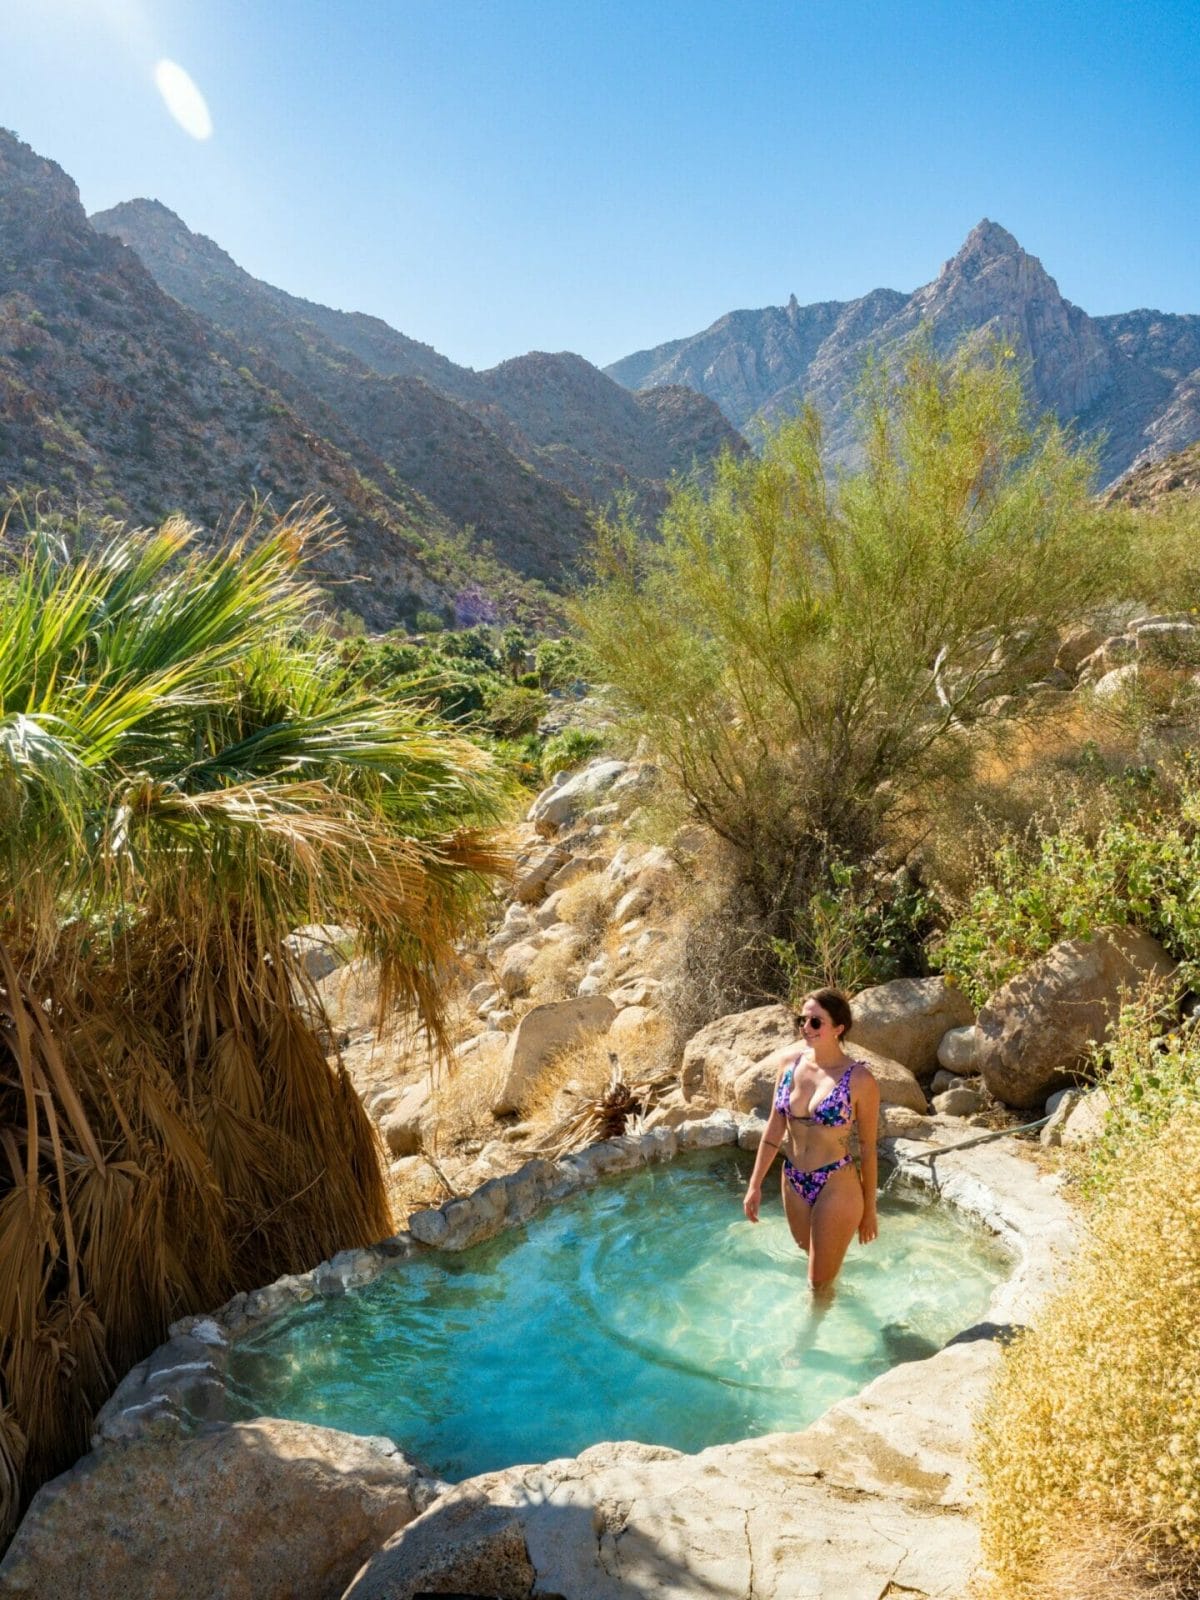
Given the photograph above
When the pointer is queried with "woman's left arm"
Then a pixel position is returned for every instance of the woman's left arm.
(866, 1112)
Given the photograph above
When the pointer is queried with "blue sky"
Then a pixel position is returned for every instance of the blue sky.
(494, 176)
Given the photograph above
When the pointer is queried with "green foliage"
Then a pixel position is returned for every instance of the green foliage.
(428, 622)
(853, 934)
(805, 651)
(571, 748)
(512, 711)
(558, 663)
(1148, 1077)
(513, 646)
(1139, 869)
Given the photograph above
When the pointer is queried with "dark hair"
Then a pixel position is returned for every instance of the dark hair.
(835, 1004)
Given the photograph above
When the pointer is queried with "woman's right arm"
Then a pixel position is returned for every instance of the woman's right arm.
(771, 1139)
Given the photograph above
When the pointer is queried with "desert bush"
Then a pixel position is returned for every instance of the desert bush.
(510, 712)
(571, 748)
(1139, 869)
(586, 904)
(859, 931)
(1094, 1420)
(805, 651)
(1150, 1072)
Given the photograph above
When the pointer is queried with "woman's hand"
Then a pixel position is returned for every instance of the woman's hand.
(751, 1202)
(868, 1228)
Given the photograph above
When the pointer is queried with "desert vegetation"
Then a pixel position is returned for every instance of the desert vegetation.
(811, 656)
(187, 777)
(1090, 1458)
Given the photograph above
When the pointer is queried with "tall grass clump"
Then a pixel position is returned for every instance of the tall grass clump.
(181, 784)
(1090, 1442)
(807, 651)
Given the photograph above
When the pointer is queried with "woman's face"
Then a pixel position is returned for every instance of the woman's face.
(816, 1024)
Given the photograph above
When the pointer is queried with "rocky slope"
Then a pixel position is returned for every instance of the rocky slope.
(1130, 382)
(115, 399)
(521, 451)
(1157, 484)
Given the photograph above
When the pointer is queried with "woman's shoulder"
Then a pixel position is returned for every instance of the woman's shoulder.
(861, 1074)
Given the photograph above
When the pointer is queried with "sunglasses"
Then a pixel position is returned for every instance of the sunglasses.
(815, 1023)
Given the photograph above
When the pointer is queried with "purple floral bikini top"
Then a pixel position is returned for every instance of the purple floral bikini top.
(835, 1111)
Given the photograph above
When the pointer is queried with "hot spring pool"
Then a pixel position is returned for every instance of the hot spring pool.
(646, 1308)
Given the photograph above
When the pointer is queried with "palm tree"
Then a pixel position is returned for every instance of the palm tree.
(186, 776)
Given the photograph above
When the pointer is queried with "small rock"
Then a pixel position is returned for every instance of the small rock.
(1084, 1122)
(956, 1051)
(958, 1102)
(547, 913)
(482, 992)
(515, 968)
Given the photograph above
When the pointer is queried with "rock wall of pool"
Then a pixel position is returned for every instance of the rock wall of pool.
(753, 1478)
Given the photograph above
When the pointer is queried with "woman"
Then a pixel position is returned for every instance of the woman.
(819, 1093)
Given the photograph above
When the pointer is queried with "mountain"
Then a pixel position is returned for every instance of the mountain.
(115, 399)
(1131, 382)
(523, 452)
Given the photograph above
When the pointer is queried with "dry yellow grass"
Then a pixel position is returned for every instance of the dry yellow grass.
(587, 1067)
(460, 1107)
(1095, 1417)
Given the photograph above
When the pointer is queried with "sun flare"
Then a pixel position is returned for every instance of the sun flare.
(183, 99)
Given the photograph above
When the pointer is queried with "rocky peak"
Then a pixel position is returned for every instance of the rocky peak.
(987, 241)
(40, 209)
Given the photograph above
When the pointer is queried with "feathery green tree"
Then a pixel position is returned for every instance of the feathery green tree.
(805, 649)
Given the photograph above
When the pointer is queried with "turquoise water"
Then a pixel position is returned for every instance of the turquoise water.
(646, 1308)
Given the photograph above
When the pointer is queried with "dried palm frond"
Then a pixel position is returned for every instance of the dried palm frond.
(618, 1110)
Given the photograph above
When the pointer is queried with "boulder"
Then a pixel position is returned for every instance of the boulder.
(561, 803)
(907, 1020)
(516, 965)
(350, 997)
(723, 1050)
(401, 1126)
(1117, 681)
(631, 1021)
(535, 871)
(541, 1033)
(1036, 1033)
(548, 912)
(956, 1052)
(264, 1510)
(1169, 643)
(1077, 644)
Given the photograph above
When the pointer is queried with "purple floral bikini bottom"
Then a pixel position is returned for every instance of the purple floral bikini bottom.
(808, 1185)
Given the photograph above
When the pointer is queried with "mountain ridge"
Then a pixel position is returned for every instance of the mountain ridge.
(1129, 383)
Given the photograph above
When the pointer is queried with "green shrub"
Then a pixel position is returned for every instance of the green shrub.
(855, 934)
(573, 747)
(512, 711)
(1138, 871)
(1149, 1077)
